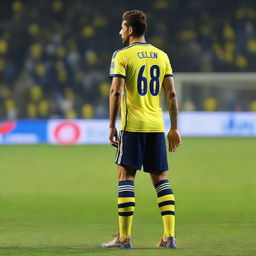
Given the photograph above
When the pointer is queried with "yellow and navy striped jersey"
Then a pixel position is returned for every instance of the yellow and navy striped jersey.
(144, 68)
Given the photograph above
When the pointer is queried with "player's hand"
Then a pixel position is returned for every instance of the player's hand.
(174, 139)
(113, 137)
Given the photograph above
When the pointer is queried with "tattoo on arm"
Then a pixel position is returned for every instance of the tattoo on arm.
(173, 110)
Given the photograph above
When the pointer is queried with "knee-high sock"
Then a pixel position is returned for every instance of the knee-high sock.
(126, 205)
(166, 203)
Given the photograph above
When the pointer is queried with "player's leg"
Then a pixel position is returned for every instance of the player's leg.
(128, 160)
(126, 173)
(126, 205)
(126, 200)
(166, 202)
(156, 164)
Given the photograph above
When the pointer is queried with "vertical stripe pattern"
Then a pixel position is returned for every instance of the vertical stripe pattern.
(119, 152)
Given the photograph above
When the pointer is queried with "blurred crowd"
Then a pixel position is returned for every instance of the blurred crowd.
(55, 54)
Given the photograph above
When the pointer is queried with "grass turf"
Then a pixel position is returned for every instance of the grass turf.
(57, 200)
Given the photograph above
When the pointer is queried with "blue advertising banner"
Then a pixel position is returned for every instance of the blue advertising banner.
(23, 132)
(79, 131)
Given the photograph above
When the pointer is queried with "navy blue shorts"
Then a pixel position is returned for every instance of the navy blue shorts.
(142, 148)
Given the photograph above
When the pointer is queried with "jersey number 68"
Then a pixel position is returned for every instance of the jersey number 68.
(154, 81)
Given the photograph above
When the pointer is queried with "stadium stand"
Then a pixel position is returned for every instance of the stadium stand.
(55, 55)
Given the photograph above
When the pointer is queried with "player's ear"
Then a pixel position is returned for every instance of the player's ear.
(130, 30)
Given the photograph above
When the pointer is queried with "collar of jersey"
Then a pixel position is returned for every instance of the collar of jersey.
(135, 43)
(138, 43)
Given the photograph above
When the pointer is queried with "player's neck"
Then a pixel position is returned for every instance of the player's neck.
(140, 39)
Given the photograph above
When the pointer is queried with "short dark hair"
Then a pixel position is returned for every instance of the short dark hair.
(137, 20)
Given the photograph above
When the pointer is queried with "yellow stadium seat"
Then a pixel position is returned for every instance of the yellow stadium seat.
(32, 110)
(188, 105)
(251, 45)
(88, 31)
(35, 93)
(253, 106)
(40, 69)
(3, 46)
(241, 61)
(161, 4)
(69, 94)
(70, 114)
(188, 34)
(57, 5)
(61, 51)
(230, 46)
(33, 29)
(99, 21)
(104, 89)
(228, 32)
(240, 13)
(9, 104)
(62, 76)
(229, 56)
(210, 104)
(36, 50)
(43, 108)
(87, 111)
(91, 57)
(17, 6)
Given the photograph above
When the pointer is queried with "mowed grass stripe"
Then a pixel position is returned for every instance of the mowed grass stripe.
(58, 200)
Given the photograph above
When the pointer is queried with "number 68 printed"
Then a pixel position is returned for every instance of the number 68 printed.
(153, 84)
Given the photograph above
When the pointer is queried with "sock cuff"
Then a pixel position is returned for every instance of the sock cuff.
(163, 188)
(126, 188)
(126, 182)
(161, 182)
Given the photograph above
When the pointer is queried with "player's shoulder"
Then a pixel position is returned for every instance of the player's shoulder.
(121, 51)
(161, 52)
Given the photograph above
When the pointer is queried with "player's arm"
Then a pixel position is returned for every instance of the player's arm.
(114, 106)
(173, 136)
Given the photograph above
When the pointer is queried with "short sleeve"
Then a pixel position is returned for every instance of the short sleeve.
(168, 70)
(117, 67)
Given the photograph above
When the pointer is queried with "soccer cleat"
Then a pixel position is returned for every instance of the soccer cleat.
(118, 243)
(167, 242)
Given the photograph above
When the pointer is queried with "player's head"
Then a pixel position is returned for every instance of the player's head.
(134, 24)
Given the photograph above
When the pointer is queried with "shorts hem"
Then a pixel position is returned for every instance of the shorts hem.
(129, 165)
(156, 171)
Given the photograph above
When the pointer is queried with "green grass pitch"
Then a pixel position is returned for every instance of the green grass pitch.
(57, 200)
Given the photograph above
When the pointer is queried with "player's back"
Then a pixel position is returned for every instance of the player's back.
(144, 67)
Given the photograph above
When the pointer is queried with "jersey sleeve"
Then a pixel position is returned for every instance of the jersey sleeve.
(117, 67)
(168, 70)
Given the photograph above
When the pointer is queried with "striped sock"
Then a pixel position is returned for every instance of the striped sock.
(166, 203)
(126, 205)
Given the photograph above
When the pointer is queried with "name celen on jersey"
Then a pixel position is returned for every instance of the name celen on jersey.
(144, 55)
